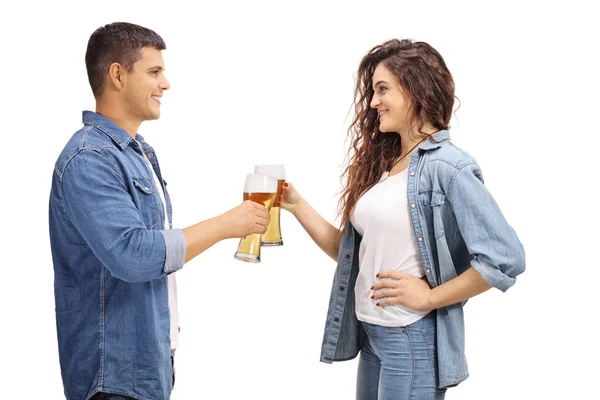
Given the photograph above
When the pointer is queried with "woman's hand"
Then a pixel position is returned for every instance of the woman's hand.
(406, 290)
(290, 198)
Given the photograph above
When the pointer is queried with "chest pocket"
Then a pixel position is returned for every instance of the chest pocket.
(437, 202)
(147, 201)
(432, 203)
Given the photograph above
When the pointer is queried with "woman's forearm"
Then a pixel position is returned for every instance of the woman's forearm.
(324, 234)
(466, 285)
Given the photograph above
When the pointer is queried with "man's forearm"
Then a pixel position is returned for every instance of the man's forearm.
(201, 236)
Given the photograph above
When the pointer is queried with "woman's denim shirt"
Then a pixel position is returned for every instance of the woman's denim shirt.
(458, 225)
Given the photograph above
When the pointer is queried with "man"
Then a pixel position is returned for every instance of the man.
(111, 254)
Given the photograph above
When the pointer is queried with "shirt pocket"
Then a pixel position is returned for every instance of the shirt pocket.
(432, 202)
(147, 201)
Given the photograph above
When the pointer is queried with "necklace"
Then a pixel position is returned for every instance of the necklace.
(385, 175)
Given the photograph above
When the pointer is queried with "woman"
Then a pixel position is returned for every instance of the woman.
(421, 233)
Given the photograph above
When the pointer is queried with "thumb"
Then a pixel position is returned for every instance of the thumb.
(288, 187)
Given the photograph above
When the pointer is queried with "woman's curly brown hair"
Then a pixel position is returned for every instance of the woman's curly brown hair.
(425, 79)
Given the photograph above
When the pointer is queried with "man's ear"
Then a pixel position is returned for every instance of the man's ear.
(116, 76)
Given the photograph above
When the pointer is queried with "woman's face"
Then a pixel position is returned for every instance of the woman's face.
(390, 101)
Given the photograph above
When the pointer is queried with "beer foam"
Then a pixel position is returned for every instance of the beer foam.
(260, 184)
(277, 171)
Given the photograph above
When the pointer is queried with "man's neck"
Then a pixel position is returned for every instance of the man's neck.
(119, 117)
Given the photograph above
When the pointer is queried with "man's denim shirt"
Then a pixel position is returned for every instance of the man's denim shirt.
(458, 225)
(110, 265)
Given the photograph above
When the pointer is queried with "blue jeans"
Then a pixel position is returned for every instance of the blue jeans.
(110, 396)
(399, 363)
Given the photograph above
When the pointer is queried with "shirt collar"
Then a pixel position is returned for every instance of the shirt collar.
(114, 131)
(436, 140)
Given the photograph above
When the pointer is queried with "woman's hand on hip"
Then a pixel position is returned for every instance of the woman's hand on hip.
(398, 288)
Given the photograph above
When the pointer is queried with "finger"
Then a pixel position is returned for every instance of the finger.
(263, 212)
(262, 220)
(384, 293)
(387, 283)
(259, 229)
(391, 274)
(288, 188)
(260, 207)
(388, 302)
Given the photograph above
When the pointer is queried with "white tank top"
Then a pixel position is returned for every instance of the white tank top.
(388, 243)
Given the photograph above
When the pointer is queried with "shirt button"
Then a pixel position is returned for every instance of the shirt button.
(420, 239)
(342, 288)
(428, 271)
(413, 205)
(149, 155)
(412, 174)
(347, 256)
(336, 319)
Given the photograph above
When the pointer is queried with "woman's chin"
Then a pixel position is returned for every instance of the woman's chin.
(386, 129)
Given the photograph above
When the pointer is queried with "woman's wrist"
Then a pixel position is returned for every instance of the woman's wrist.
(297, 208)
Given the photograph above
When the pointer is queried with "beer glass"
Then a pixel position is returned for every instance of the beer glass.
(272, 237)
(260, 189)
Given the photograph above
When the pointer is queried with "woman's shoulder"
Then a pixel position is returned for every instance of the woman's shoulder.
(450, 156)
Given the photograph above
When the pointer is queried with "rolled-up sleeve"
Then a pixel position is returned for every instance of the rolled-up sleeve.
(498, 255)
(97, 202)
(175, 246)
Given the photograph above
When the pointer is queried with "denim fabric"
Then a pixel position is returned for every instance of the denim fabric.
(111, 260)
(458, 225)
(110, 396)
(399, 362)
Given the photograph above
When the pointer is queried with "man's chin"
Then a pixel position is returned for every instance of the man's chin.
(152, 116)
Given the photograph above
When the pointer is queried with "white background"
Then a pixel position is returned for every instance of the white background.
(273, 83)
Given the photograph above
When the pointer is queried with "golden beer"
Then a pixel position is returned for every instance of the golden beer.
(272, 237)
(260, 190)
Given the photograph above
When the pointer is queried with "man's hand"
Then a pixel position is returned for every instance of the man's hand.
(245, 219)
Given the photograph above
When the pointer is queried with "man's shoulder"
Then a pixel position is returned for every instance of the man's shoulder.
(87, 139)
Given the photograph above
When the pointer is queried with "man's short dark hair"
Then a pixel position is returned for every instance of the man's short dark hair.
(119, 42)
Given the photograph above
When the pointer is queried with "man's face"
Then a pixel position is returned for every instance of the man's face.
(145, 84)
